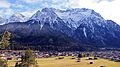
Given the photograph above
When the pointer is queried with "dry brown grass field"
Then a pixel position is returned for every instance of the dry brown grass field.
(68, 62)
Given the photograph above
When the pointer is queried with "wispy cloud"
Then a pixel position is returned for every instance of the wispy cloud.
(18, 5)
(31, 1)
(6, 12)
(4, 4)
(98, 1)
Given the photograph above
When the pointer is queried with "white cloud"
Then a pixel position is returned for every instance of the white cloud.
(4, 4)
(18, 5)
(6, 13)
(98, 1)
(59, 4)
(29, 13)
(31, 1)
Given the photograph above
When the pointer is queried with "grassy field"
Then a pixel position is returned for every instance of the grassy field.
(68, 62)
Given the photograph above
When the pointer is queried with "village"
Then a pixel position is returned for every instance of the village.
(16, 55)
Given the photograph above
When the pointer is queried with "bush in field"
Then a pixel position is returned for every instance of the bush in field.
(3, 63)
(28, 60)
(60, 57)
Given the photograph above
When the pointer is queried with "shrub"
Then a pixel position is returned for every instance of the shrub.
(3, 63)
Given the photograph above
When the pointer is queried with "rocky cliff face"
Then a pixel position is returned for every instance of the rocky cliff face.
(90, 27)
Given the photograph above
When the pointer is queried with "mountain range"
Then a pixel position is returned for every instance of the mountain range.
(14, 18)
(55, 29)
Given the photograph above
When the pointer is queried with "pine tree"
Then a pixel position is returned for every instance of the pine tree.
(4, 43)
(5, 39)
(28, 60)
(29, 57)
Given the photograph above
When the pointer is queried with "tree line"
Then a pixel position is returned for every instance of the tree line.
(27, 60)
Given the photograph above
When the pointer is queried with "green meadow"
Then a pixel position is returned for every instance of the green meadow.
(68, 62)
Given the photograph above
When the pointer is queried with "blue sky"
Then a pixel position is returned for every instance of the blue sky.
(109, 9)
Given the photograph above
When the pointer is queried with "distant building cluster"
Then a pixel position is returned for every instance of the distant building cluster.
(110, 55)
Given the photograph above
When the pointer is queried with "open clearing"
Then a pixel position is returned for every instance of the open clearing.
(68, 62)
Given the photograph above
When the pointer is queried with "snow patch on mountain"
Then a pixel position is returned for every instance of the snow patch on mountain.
(73, 16)
(46, 15)
(3, 21)
(17, 18)
(84, 30)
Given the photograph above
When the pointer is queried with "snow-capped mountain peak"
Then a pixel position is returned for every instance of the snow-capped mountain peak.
(74, 17)
(36, 16)
(17, 18)
(46, 10)
(46, 15)
(3, 21)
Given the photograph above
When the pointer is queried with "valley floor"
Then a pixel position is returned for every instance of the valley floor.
(68, 62)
